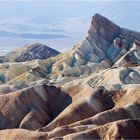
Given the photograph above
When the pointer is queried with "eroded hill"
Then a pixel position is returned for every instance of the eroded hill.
(89, 92)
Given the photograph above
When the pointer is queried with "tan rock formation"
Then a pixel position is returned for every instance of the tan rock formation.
(89, 92)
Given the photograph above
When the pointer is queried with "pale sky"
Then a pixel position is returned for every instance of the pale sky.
(123, 12)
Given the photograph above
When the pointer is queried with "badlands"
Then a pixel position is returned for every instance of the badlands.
(89, 92)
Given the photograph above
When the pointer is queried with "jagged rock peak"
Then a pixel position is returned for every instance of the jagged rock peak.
(104, 27)
(99, 18)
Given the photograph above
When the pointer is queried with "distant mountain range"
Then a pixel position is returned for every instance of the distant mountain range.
(31, 35)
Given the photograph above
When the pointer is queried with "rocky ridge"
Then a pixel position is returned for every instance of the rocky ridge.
(89, 92)
(31, 52)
